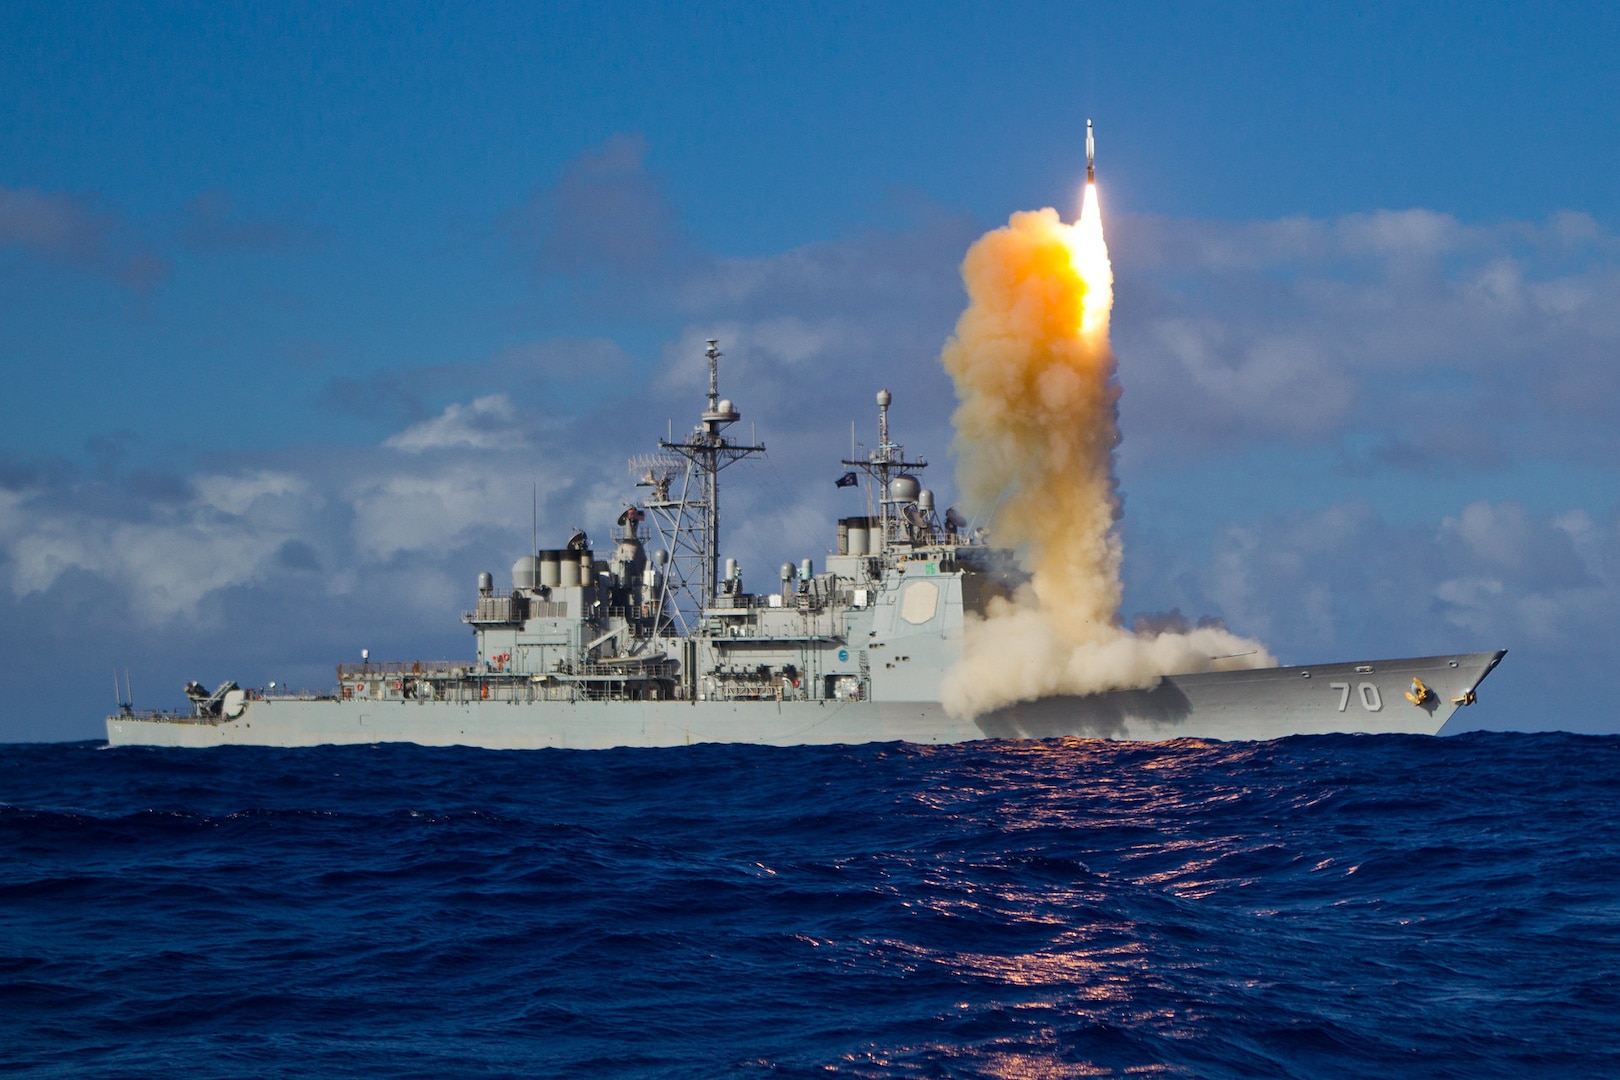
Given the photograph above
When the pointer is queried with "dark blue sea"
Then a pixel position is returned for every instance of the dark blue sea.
(1315, 907)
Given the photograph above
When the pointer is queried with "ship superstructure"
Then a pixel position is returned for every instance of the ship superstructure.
(679, 625)
(660, 648)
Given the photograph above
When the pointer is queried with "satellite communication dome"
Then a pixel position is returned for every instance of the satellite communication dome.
(884, 398)
(904, 488)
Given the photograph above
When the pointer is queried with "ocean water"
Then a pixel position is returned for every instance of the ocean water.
(1312, 907)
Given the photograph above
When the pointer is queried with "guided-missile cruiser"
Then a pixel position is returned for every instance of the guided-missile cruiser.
(667, 647)
(1091, 155)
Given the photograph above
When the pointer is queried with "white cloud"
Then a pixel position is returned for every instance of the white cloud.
(235, 495)
(1400, 234)
(1375, 328)
(165, 571)
(1494, 572)
(487, 423)
(435, 509)
(164, 565)
(338, 518)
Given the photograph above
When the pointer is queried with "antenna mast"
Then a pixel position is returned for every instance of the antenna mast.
(884, 463)
(689, 524)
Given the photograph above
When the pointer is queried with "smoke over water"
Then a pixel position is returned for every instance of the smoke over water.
(1036, 428)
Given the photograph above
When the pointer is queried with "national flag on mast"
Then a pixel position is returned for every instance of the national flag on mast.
(849, 479)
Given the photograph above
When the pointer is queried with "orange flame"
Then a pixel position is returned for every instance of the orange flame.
(1089, 251)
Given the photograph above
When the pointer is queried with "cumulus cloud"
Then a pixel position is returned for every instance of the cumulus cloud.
(436, 509)
(163, 566)
(340, 517)
(1491, 573)
(1393, 329)
(234, 495)
(486, 423)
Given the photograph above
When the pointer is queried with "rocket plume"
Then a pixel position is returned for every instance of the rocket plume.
(1036, 427)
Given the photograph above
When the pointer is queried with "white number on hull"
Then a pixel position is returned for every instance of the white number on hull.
(1371, 699)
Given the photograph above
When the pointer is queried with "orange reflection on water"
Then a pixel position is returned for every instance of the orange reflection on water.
(1104, 974)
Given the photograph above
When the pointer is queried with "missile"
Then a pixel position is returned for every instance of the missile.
(1091, 155)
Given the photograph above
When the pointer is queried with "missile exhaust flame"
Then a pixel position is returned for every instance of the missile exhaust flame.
(1036, 429)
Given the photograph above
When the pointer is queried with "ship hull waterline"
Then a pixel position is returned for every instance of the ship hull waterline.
(1358, 697)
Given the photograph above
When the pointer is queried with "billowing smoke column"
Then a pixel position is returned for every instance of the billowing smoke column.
(1036, 428)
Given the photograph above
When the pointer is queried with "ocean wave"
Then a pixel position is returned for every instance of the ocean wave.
(1316, 906)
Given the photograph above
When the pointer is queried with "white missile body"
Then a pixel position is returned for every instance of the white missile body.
(1091, 154)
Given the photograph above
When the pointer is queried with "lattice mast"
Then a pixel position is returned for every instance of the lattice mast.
(690, 523)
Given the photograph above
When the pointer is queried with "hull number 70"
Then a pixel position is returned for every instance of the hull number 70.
(1371, 699)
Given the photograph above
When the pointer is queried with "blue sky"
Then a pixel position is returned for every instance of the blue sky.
(298, 305)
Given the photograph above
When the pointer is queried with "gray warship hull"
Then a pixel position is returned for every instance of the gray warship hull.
(1267, 703)
(666, 650)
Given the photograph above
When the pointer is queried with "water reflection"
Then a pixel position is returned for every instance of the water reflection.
(1062, 894)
